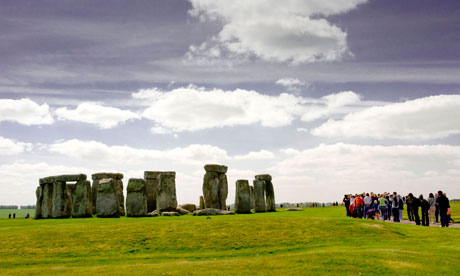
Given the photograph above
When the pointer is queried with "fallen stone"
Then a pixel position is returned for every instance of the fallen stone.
(170, 214)
(189, 207)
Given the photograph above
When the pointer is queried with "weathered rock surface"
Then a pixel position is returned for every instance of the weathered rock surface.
(212, 212)
(189, 207)
(61, 200)
(166, 192)
(107, 201)
(201, 202)
(105, 175)
(136, 200)
(215, 186)
(259, 196)
(264, 177)
(38, 205)
(215, 168)
(170, 214)
(63, 178)
(182, 211)
(82, 200)
(242, 197)
(270, 196)
(151, 186)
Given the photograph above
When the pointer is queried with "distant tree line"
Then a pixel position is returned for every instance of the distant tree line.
(9, 207)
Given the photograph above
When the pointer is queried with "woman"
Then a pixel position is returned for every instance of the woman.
(432, 202)
(425, 209)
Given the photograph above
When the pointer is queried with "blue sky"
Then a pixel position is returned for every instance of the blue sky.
(329, 97)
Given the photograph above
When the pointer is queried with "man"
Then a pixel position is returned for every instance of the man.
(444, 207)
(395, 207)
(415, 204)
(410, 214)
(367, 204)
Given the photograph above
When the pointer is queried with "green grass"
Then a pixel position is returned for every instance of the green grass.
(313, 242)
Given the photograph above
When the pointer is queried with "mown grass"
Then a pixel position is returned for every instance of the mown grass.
(312, 242)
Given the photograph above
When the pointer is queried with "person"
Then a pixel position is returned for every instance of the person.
(415, 205)
(367, 204)
(395, 207)
(444, 208)
(410, 214)
(346, 201)
(359, 206)
(401, 206)
(383, 206)
(425, 206)
(14, 215)
(9, 215)
(436, 196)
(375, 206)
(432, 202)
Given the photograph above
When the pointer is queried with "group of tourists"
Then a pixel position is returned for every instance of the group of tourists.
(386, 206)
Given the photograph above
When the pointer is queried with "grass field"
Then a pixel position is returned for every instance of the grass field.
(312, 242)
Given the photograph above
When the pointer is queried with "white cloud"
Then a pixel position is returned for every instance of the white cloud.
(193, 108)
(329, 171)
(92, 150)
(12, 147)
(281, 31)
(425, 118)
(25, 111)
(256, 155)
(93, 113)
(331, 104)
(291, 84)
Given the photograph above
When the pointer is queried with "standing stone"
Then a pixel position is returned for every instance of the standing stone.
(62, 202)
(251, 196)
(38, 205)
(269, 191)
(107, 201)
(47, 201)
(201, 202)
(242, 197)
(215, 186)
(259, 196)
(118, 186)
(151, 187)
(82, 205)
(270, 196)
(166, 192)
(136, 200)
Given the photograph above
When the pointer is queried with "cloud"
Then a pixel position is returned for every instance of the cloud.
(92, 150)
(329, 171)
(281, 31)
(425, 118)
(25, 111)
(12, 147)
(291, 84)
(193, 108)
(93, 113)
(256, 155)
(331, 104)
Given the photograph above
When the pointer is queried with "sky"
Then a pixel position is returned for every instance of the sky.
(329, 97)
